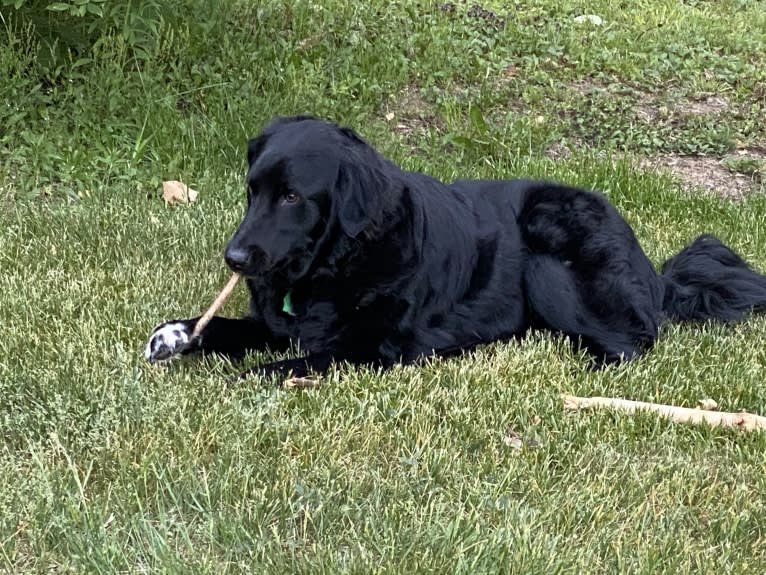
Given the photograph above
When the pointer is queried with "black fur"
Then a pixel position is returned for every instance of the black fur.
(387, 266)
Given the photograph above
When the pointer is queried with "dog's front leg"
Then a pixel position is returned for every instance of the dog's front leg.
(226, 336)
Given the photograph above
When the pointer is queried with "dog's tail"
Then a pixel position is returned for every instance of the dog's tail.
(707, 280)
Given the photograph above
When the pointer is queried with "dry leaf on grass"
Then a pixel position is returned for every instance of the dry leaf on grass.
(594, 19)
(516, 440)
(175, 192)
(513, 439)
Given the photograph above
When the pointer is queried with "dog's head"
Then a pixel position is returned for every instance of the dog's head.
(308, 181)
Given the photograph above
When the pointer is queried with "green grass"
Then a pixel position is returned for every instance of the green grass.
(109, 465)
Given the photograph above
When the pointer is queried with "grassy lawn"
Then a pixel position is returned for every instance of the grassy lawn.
(462, 466)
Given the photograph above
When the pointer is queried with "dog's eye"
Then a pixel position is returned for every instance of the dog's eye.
(290, 198)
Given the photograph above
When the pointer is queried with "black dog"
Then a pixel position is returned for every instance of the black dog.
(363, 262)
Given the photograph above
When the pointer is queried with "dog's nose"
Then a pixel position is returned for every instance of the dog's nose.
(236, 258)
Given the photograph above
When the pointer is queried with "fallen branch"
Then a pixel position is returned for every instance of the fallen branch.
(744, 421)
(217, 303)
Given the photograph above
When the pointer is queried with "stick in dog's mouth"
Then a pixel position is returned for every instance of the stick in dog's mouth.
(216, 305)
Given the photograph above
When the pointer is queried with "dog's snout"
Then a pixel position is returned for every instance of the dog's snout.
(236, 258)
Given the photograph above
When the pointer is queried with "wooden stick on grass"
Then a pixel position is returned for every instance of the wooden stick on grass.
(217, 303)
(296, 382)
(743, 421)
(302, 382)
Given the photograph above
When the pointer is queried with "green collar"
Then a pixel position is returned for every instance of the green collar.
(287, 305)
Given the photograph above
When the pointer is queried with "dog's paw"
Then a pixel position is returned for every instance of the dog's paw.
(168, 340)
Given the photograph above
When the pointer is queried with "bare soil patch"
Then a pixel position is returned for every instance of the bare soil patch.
(703, 105)
(649, 107)
(410, 114)
(709, 173)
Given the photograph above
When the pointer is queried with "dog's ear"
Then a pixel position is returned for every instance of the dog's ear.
(255, 147)
(364, 194)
